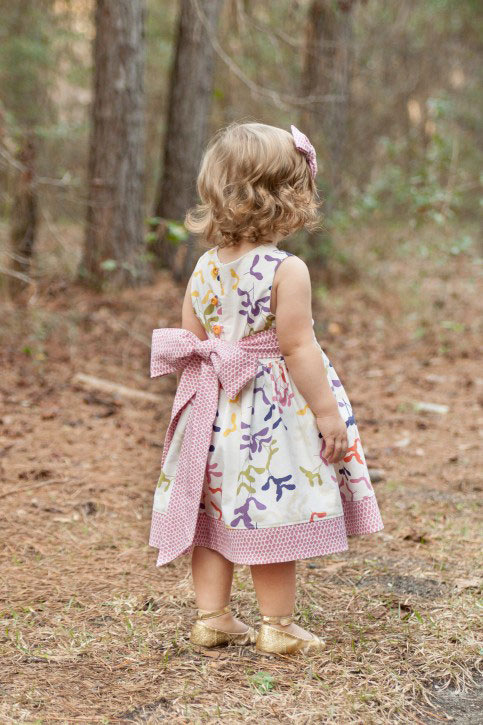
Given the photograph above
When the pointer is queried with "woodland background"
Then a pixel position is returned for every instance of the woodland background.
(105, 107)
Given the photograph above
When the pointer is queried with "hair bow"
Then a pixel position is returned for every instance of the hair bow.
(303, 145)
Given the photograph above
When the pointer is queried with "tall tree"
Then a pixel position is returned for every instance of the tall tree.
(24, 216)
(189, 105)
(114, 231)
(327, 73)
(27, 60)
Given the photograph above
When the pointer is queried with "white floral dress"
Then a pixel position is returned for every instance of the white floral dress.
(269, 493)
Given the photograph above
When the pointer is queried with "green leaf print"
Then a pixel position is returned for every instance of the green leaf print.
(272, 449)
(247, 486)
(271, 453)
(312, 476)
(246, 474)
(165, 479)
(209, 310)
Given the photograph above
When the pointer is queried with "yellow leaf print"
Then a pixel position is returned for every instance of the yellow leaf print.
(199, 274)
(237, 278)
(207, 296)
(214, 269)
(195, 293)
(303, 410)
(233, 428)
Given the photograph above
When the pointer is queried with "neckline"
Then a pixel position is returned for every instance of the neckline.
(242, 256)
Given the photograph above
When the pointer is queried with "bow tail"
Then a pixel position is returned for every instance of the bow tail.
(183, 509)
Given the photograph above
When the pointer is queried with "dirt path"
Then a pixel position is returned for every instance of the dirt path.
(93, 632)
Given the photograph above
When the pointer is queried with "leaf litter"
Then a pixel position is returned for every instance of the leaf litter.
(93, 632)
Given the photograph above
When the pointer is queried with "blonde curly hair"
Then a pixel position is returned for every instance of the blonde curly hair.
(254, 186)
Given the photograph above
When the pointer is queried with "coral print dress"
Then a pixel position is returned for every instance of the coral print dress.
(243, 467)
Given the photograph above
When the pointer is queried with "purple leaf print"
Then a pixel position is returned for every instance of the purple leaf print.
(257, 275)
(256, 307)
(350, 420)
(244, 515)
(273, 259)
(264, 395)
(241, 293)
(255, 441)
(270, 413)
(280, 485)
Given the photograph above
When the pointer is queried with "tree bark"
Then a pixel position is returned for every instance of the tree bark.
(327, 71)
(114, 240)
(189, 106)
(24, 217)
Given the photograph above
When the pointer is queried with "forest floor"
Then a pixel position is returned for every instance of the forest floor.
(93, 632)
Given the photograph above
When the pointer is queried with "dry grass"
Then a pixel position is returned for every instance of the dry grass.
(92, 632)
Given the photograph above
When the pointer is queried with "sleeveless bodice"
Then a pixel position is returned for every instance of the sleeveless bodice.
(232, 299)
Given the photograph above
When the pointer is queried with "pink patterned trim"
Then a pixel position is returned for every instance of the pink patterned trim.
(279, 543)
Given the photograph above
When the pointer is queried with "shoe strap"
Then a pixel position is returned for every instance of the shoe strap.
(202, 614)
(284, 621)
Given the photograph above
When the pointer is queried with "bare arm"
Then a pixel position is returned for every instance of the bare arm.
(293, 300)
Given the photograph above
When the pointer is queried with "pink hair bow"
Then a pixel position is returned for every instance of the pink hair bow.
(303, 145)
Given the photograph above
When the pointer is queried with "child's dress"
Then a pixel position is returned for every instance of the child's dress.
(243, 469)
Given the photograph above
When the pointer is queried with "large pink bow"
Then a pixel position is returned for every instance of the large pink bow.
(205, 365)
(303, 145)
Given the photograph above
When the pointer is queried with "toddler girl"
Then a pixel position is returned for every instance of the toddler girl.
(262, 462)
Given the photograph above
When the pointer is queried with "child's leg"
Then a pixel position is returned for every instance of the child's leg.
(212, 580)
(275, 589)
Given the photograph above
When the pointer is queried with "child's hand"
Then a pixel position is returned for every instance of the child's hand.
(334, 432)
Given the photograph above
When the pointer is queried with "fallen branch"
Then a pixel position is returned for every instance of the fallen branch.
(107, 386)
(33, 485)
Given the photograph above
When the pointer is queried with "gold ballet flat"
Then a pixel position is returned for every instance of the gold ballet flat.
(275, 641)
(205, 636)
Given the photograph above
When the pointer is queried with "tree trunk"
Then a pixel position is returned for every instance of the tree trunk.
(190, 99)
(114, 241)
(23, 218)
(327, 71)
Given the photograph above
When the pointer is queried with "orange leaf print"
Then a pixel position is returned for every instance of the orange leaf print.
(352, 453)
(316, 514)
